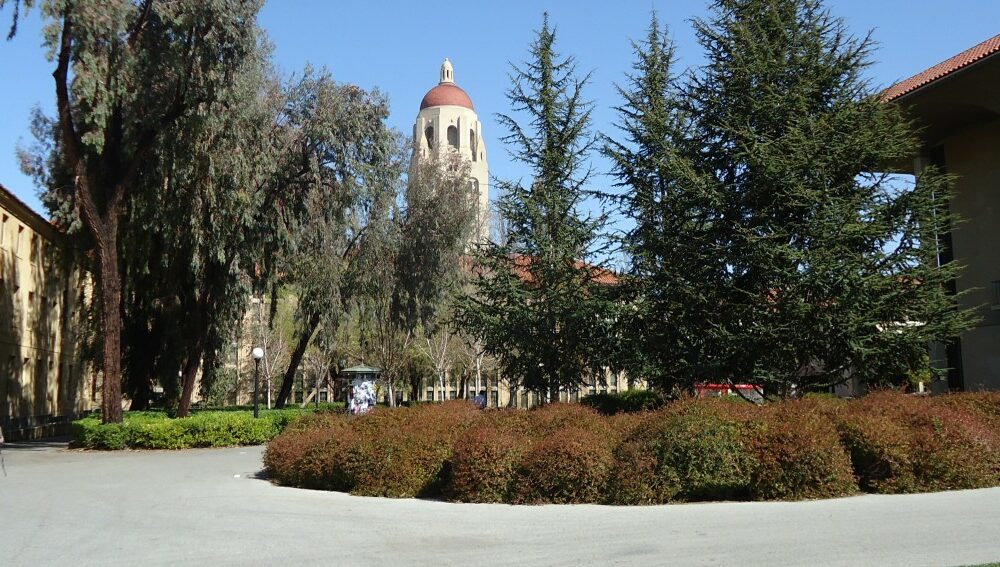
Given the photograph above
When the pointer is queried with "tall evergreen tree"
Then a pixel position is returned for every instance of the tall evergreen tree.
(541, 303)
(811, 267)
(666, 302)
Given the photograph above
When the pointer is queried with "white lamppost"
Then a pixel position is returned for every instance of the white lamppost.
(258, 353)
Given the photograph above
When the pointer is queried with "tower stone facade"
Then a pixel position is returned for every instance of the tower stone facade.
(447, 121)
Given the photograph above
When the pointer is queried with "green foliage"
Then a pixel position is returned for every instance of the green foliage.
(700, 454)
(154, 430)
(356, 170)
(538, 303)
(153, 103)
(767, 248)
(410, 262)
(629, 401)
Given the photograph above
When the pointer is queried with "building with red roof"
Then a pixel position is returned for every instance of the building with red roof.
(956, 105)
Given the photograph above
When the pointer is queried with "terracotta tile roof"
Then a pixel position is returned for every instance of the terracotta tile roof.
(522, 268)
(943, 69)
(600, 276)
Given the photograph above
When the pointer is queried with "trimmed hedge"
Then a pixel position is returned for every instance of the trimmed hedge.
(690, 450)
(629, 401)
(911, 444)
(155, 430)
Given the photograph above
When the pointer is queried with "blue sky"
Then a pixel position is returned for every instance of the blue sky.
(398, 46)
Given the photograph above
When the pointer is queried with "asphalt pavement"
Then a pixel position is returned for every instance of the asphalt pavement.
(211, 507)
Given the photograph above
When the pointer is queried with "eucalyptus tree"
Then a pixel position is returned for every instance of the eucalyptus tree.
(360, 168)
(540, 302)
(126, 73)
(411, 259)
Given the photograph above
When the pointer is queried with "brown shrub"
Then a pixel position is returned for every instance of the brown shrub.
(690, 450)
(405, 452)
(484, 463)
(797, 453)
(569, 466)
(550, 418)
(901, 443)
(632, 478)
(286, 455)
(985, 405)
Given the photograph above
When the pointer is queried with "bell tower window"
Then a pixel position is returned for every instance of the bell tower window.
(453, 137)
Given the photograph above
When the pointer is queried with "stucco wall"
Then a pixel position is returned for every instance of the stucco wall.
(974, 156)
(41, 375)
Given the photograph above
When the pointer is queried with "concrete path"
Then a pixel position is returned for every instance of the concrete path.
(207, 507)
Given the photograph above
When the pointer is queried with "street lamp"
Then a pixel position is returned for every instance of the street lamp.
(258, 353)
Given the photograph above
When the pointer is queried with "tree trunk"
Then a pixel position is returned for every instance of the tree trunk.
(189, 374)
(444, 394)
(295, 360)
(111, 322)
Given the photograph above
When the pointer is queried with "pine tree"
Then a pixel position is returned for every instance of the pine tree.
(539, 303)
(666, 302)
(813, 267)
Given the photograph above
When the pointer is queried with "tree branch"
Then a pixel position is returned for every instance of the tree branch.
(140, 23)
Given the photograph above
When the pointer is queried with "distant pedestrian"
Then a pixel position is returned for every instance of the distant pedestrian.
(480, 400)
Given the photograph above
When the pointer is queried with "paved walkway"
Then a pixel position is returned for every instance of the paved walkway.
(207, 507)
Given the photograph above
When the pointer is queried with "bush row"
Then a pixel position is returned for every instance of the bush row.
(629, 401)
(691, 450)
(155, 430)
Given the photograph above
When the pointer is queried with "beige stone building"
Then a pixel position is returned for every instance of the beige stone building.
(957, 105)
(43, 383)
(447, 122)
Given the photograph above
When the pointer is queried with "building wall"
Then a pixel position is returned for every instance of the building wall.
(41, 377)
(974, 156)
(501, 395)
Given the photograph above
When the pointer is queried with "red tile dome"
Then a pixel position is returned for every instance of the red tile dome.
(446, 94)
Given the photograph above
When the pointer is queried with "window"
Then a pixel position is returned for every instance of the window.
(33, 252)
(430, 395)
(473, 145)
(3, 228)
(452, 395)
(429, 136)
(453, 137)
(17, 244)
